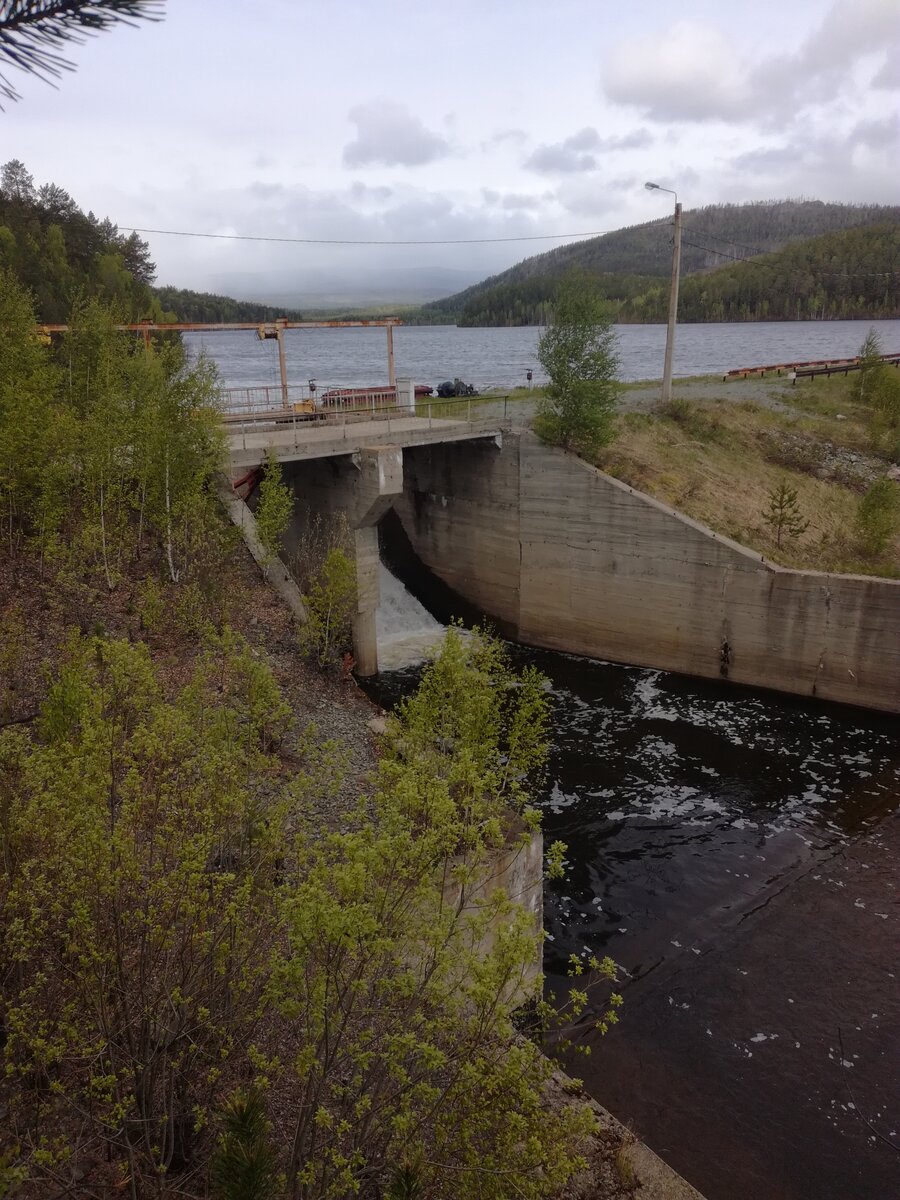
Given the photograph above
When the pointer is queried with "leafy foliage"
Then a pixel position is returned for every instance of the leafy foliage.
(878, 518)
(578, 354)
(276, 503)
(62, 254)
(200, 995)
(330, 604)
(104, 444)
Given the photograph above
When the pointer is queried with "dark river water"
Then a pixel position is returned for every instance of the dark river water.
(500, 357)
(737, 853)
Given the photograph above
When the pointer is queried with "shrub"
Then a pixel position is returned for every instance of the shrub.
(330, 603)
(877, 517)
(276, 503)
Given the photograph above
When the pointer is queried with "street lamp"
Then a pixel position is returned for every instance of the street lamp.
(673, 294)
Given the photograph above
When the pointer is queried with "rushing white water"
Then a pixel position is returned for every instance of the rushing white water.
(407, 633)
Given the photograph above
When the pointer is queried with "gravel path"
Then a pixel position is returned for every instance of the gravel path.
(775, 393)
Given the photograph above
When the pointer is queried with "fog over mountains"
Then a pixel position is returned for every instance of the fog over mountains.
(320, 288)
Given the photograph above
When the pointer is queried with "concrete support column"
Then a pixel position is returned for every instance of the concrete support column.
(365, 641)
(380, 479)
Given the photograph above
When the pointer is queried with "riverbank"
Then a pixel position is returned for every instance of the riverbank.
(35, 627)
(719, 449)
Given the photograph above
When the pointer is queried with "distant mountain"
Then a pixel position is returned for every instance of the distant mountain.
(349, 288)
(627, 261)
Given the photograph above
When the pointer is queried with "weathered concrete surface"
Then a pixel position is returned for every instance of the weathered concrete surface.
(362, 487)
(301, 440)
(517, 870)
(278, 577)
(565, 557)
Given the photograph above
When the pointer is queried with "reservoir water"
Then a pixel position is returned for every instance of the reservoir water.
(737, 852)
(500, 357)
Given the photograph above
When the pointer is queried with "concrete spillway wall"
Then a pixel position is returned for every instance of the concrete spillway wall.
(565, 557)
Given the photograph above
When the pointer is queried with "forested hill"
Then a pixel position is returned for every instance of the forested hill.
(61, 253)
(206, 306)
(851, 274)
(712, 235)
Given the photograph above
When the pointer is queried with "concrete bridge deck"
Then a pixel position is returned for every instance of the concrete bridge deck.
(296, 440)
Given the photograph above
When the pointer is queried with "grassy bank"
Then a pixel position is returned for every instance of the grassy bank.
(718, 450)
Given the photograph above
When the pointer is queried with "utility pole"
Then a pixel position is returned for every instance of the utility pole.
(673, 307)
(279, 333)
(673, 293)
(392, 375)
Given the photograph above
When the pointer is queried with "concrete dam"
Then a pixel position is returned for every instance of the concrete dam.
(560, 556)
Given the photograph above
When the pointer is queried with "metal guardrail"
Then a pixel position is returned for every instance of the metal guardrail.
(819, 366)
(476, 412)
(887, 360)
(265, 399)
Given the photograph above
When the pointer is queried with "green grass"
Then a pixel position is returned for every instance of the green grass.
(717, 461)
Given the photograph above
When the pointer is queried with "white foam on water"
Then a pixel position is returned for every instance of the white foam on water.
(407, 633)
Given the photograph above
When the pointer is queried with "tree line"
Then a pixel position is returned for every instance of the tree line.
(854, 274)
(62, 254)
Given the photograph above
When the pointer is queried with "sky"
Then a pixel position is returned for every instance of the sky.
(403, 120)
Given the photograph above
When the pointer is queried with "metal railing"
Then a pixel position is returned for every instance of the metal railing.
(480, 412)
(271, 399)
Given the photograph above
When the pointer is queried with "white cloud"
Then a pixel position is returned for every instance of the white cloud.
(387, 134)
(693, 72)
(888, 74)
(689, 72)
(578, 153)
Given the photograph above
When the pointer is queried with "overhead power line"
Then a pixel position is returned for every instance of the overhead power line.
(248, 237)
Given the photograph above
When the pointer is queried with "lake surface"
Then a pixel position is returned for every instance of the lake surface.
(499, 358)
(737, 853)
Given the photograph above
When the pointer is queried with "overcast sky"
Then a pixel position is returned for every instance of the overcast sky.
(465, 118)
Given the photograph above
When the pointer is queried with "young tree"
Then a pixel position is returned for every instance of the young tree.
(578, 354)
(878, 516)
(870, 366)
(276, 504)
(783, 514)
(179, 448)
(36, 433)
(330, 601)
(403, 967)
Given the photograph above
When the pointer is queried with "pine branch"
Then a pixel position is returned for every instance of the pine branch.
(33, 31)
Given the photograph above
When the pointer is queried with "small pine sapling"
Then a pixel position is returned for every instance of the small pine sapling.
(783, 514)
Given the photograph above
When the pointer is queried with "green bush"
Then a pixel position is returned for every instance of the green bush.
(577, 352)
(877, 517)
(330, 602)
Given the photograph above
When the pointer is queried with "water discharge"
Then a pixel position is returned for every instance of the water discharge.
(406, 631)
(737, 853)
